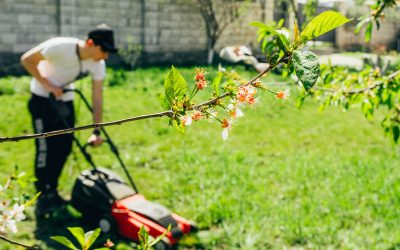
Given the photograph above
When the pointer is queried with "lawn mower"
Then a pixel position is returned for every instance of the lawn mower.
(116, 207)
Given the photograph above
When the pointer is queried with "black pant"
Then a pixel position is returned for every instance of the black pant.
(51, 152)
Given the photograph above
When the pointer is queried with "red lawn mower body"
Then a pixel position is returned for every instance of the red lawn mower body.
(108, 202)
(135, 211)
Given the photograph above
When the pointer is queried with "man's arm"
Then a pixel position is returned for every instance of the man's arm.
(97, 101)
(30, 60)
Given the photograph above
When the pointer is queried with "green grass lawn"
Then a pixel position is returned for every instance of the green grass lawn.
(285, 178)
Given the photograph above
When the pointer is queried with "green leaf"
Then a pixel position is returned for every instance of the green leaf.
(174, 85)
(159, 238)
(367, 108)
(31, 201)
(216, 82)
(361, 24)
(281, 40)
(296, 33)
(143, 236)
(368, 32)
(300, 100)
(163, 101)
(396, 133)
(306, 65)
(178, 126)
(261, 25)
(324, 22)
(283, 35)
(20, 175)
(78, 233)
(91, 236)
(22, 183)
(378, 25)
(281, 22)
(264, 45)
(63, 240)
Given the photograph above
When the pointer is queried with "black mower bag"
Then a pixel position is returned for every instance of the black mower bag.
(95, 191)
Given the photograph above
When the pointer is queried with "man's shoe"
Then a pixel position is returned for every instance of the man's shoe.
(48, 202)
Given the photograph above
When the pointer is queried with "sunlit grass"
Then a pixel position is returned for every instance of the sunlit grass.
(285, 177)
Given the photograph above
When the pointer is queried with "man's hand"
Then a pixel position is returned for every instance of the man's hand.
(57, 91)
(95, 140)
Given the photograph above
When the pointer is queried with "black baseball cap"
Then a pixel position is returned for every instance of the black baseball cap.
(104, 36)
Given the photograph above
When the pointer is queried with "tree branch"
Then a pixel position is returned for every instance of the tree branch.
(358, 91)
(136, 118)
(95, 125)
(233, 17)
(2, 237)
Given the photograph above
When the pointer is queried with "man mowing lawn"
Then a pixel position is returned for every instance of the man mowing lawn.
(54, 65)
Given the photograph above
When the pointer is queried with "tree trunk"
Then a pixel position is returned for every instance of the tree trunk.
(295, 10)
(210, 50)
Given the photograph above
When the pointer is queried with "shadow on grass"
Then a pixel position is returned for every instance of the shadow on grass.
(395, 246)
(58, 222)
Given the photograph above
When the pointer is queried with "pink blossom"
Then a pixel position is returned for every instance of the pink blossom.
(186, 120)
(109, 243)
(197, 115)
(18, 212)
(11, 225)
(200, 74)
(200, 79)
(9, 216)
(201, 84)
(251, 100)
(246, 94)
(234, 111)
(283, 94)
(4, 204)
(227, 126)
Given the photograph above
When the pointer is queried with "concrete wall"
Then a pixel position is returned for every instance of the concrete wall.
(386, 38)
(168, 31)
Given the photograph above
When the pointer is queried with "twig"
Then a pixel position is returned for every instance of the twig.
(95, 125)
(2, 237)
(358, 91)
(280, 84)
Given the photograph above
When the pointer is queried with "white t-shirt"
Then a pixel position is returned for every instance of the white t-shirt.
(61, 66)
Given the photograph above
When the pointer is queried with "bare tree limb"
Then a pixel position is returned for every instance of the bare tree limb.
(215, 26)
(95, 125)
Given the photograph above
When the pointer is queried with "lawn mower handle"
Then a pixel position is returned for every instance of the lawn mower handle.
(113, 148)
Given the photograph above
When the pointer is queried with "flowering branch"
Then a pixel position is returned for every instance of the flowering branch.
(168, 113)
(12, 208)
